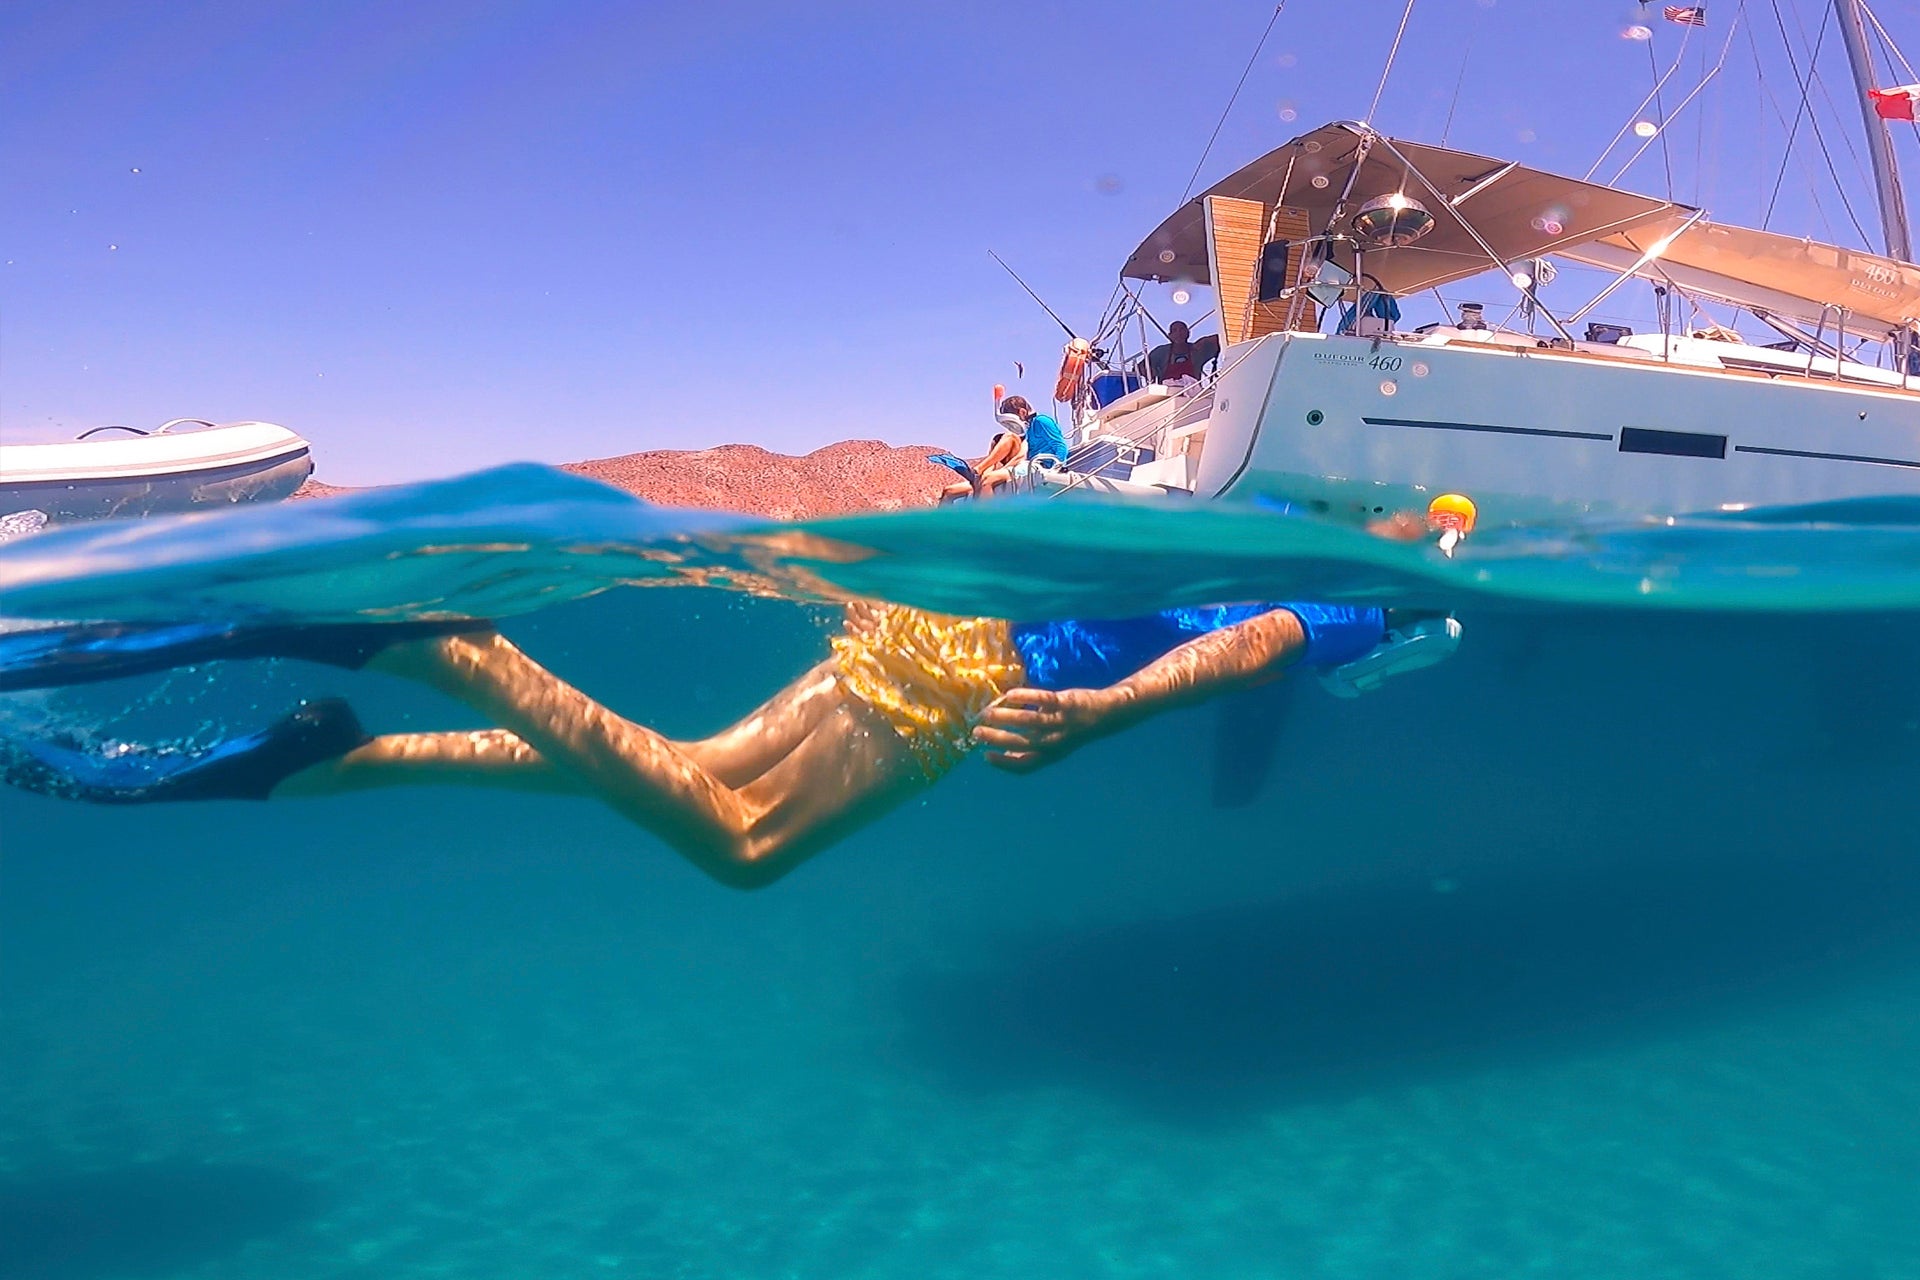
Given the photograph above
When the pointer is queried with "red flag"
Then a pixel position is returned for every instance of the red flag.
(1896, 103)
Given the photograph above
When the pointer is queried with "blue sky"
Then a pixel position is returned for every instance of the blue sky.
(432, 237)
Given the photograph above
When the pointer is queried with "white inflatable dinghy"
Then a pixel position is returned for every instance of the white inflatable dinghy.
(153, 472)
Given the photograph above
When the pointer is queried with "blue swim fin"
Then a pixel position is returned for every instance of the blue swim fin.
(961, 465)
(244, 768)
(85, 652)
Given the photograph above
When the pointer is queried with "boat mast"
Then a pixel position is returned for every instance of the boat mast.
(1886, 172)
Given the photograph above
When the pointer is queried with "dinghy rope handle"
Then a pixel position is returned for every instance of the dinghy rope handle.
(1454, 515)
(1072, 365)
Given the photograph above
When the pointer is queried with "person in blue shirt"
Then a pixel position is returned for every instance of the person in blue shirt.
(1028, 439)
(1044, 438)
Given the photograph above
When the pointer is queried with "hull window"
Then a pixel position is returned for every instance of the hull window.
(1679, 444)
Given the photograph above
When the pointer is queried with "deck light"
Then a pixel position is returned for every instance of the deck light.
(1387, 222)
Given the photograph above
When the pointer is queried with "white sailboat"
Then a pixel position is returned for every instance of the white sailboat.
(1584, 417)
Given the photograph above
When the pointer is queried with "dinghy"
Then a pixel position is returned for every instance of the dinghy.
(153, 472)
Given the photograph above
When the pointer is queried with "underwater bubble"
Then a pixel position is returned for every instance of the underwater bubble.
(1167, 255)
(1645, 128)
(1181, 297)
(1288, 112)
(1109, 184)
(1636, 31)
(1288, 59)
(1319, 182)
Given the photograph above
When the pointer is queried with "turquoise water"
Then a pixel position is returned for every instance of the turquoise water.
(1590, 953)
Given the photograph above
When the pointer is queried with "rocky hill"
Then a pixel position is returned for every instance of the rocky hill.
(853, 475)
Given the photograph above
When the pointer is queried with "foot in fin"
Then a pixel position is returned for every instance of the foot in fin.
(1419, 643)
(959, 465)
(244, 768)
(84, 652)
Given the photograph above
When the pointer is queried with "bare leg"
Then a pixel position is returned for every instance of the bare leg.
(841, 766)
(484, 757)
(744, 751)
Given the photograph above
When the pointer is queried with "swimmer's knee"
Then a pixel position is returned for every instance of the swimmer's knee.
(746, 867)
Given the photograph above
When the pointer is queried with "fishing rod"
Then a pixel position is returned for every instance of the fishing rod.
(1031, 294)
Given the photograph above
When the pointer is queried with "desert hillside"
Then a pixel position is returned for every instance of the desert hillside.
(853, 475)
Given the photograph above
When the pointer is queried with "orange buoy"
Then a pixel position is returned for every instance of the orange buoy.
(1453, 511)
(1072, 365)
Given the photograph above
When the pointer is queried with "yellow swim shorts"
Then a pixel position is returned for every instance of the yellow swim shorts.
(930, 676)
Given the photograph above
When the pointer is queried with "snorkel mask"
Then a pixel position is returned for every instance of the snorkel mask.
(1014, 423)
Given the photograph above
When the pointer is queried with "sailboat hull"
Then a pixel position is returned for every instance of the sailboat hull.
(1353, 427)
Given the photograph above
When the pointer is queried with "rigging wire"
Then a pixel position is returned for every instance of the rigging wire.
(1861, 167)
(1818, 135)
(1659, 107)
(1705, 80)
(1794, 132)
(1887, 40)
(1473, 37)
(1391, 55)
(1806, 168)
(1630, 121)
(1238, 85)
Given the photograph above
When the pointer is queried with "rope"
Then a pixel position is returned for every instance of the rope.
(1221, 122)
(1391, 55)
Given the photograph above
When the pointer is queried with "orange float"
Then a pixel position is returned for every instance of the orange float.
(1072, 365)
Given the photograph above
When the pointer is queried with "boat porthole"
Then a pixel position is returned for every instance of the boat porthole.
(1315, 417)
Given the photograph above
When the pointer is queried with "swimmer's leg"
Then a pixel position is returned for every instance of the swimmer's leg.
(848, 767)
(498, 758)
(483, 757)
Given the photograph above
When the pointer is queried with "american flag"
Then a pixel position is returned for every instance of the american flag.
(1687, 15)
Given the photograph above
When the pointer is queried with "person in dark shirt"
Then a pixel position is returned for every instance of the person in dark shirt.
(1181, 356)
